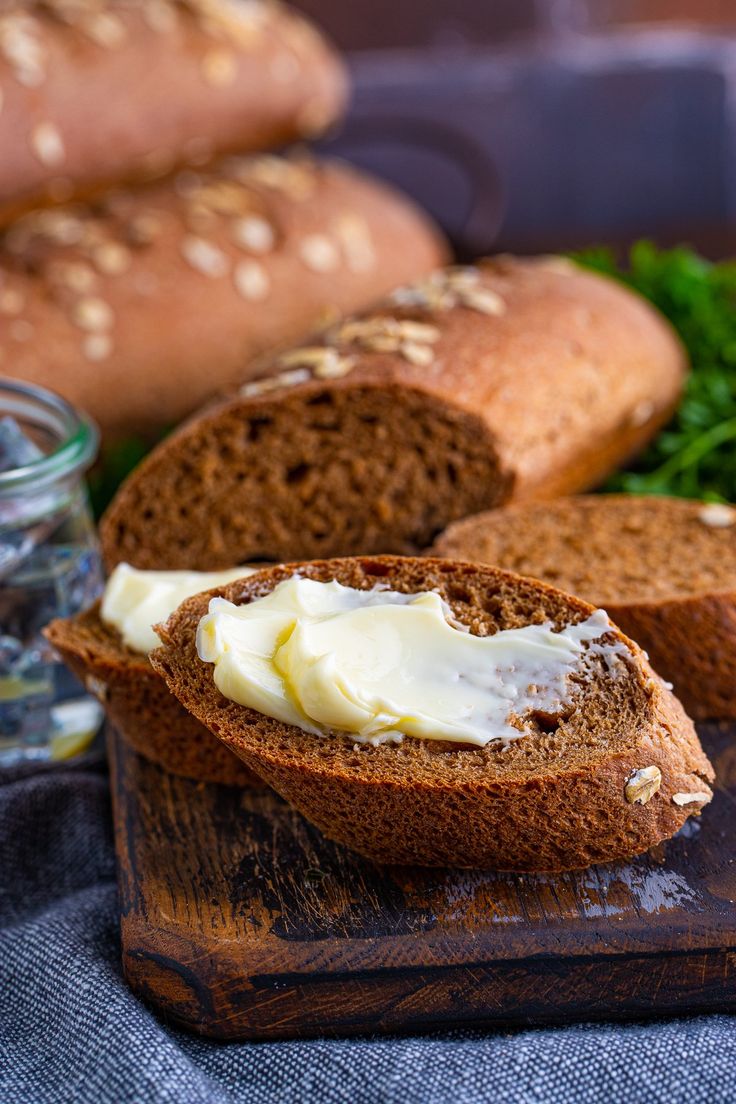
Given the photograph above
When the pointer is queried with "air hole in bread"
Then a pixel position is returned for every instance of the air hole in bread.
(546, 722)
(459, 594)
(372, 567)
(256, 428)
(298, 473)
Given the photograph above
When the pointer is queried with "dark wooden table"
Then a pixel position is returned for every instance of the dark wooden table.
(239, 920)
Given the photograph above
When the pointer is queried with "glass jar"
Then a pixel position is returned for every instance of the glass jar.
(49, 567)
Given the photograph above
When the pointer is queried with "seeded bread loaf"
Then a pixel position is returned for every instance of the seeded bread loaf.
(663, 568)
(139, 704)
(102, 91)
(515, 379)
(140, 307)
(620, 771)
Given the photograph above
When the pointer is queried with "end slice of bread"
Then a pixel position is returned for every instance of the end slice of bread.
(137, 701)
(520, 379)
(567, 794)
(663, 568)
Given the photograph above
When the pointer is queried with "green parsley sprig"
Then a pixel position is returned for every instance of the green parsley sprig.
(695, 455)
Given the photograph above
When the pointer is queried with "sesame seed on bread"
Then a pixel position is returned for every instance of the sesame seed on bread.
(140, 307)
(103, 92)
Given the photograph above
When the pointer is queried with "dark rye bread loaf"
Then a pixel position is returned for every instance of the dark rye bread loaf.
(561, 797)
(96, 92)
(663, 568)
(139, 704)
(515, 379)
(143, 305)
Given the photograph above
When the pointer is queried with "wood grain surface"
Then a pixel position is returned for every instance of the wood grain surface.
(240, 921)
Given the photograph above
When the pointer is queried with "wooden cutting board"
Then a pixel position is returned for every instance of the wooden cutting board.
(240, 921)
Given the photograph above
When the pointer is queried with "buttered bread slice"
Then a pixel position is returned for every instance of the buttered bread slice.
(107, 648)
(440, 713)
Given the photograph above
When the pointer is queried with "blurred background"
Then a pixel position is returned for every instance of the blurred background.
(547, 124)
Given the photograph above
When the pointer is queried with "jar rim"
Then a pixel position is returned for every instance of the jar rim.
(76, 450)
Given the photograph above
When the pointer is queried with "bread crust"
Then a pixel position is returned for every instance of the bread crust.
(556, 804)
(146, 715)
(549, 376)
(179, 83)
(238, 260)
(687, 620)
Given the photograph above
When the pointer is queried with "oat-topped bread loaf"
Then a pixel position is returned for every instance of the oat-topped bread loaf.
(99, 92)
(440, 713)
(107, 649)
(664, 568)
(512, 379)
(140, 307)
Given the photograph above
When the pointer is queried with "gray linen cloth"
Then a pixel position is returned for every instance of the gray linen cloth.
(70, 1031)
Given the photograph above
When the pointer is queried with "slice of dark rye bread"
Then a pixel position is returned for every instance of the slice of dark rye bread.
(663, 568)
(139, 704)
(559, 798)
(516, 378)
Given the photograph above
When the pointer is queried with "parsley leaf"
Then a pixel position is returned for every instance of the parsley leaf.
(695, 455)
